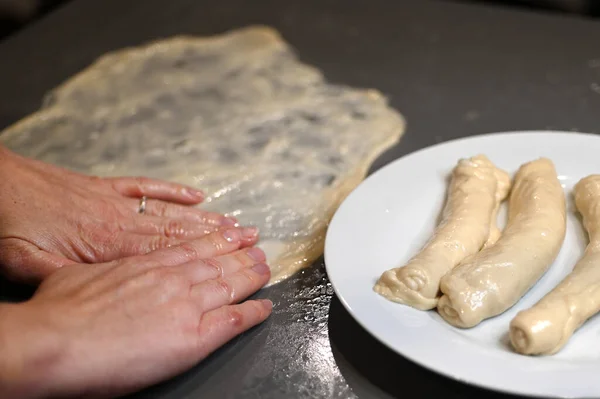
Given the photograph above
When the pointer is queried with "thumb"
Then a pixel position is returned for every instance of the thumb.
(26, 263)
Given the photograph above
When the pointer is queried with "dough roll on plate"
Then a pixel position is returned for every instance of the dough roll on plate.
(547, 326)
(468, 223)
(493, 280)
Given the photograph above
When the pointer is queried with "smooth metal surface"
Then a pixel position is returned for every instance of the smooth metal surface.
(452, 69)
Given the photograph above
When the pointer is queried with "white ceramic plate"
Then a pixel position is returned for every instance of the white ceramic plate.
(390, 216)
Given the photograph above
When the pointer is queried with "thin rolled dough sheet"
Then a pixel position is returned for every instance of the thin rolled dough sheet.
(237, 115)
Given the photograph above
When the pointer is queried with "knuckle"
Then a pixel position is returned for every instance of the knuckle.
(141, 181)
(119, 226)
(116, 184)
(215, 242)
(215, 265)
(248, 277)
(258, 309)
(242, 258)
(235, 318)
(160, 242)
(189, 251)
(173, 228)
(202, 328)
(97, 239)
(225, 289)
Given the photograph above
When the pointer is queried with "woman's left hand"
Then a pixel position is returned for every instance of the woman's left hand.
(52, 217)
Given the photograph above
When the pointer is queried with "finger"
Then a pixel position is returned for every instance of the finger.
(221, 325)
(238, 260)
(26, 263)
(165, 209)
(163, 190)
(219, 267)
(169, 227)
(170, 252)
(195, 271)
(210, 246)
(132, 244)
(213, 294)
(140, 274)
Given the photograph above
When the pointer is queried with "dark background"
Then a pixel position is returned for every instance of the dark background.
(12, 19)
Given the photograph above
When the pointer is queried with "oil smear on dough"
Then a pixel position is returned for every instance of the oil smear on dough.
(237, 115)
(468, 223)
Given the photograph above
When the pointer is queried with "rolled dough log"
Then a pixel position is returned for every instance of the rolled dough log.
(545, 328)
(468, 223)
(490, 282)
(237, 115)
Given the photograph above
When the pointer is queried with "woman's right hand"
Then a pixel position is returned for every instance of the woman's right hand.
(117, 327)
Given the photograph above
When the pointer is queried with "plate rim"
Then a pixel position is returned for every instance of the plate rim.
(344, 300)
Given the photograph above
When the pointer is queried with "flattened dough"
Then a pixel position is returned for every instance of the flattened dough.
(493, 280)
(468, 223)
(545, 328)
(237, 115)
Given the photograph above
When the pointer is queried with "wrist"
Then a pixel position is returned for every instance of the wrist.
(29, 354)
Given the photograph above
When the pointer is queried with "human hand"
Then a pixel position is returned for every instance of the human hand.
(52, 217)
(120, 326)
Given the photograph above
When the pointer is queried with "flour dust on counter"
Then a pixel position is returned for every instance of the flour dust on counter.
(237, 115)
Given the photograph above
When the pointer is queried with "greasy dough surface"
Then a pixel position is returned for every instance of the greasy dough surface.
(488, 283)
(545, 328)
(468, 223)
(502, 191)
(237, 115)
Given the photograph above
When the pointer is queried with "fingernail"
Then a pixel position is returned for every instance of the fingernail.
(230, 221)
(232, 235)
(261, 269)
(267, 304)
(249, 232)
(256, 254)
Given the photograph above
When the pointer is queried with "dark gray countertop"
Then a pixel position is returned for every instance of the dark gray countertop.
(452, 69)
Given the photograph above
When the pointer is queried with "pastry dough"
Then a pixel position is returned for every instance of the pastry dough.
(237, 115)
(476, 190)
(488, 283)
(547, 326)
(502, 191)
